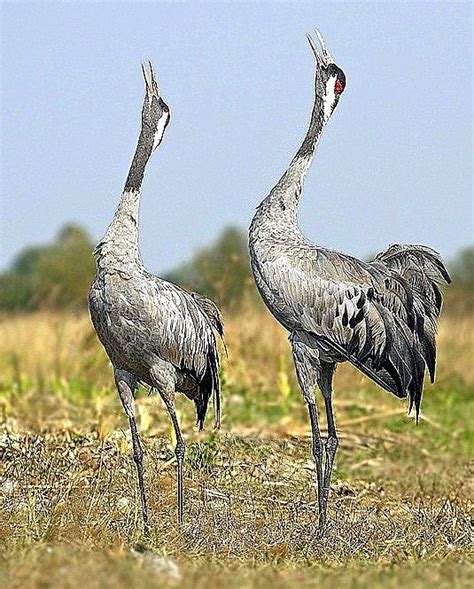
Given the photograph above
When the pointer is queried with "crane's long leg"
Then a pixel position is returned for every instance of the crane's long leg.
(307, 375)
(317, 448)
(164, 380)
(325, 384)
(179, 451)
(126, 386)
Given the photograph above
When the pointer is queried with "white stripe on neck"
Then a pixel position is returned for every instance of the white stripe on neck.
(160, 129)
(330, 97)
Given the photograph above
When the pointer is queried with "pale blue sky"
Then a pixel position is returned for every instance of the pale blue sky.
(394, 165)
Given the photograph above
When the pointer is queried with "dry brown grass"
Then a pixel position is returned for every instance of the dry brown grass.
(247, 501)
(69, 516)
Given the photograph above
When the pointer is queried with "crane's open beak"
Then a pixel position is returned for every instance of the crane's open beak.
(151, 85)
(323, 57)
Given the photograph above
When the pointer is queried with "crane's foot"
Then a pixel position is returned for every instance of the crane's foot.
(144, 544)
(322, 510)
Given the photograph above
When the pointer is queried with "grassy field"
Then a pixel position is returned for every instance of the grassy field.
(400, 509)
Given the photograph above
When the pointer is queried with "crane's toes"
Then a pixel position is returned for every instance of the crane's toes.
(142, 547)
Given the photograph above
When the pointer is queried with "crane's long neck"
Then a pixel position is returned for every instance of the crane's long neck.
(119, 247)
(281, 205)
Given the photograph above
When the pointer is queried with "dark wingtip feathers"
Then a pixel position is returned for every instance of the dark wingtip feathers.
(209, 386)
(426, 274)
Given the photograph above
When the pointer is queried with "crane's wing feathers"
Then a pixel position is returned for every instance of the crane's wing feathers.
(142, 320)
(187, 340)
(424, 271)
(381, 316)
(211, 310)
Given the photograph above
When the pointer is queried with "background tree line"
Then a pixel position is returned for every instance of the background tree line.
(59, 275)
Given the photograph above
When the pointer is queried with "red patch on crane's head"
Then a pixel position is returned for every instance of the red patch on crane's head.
(339, 87)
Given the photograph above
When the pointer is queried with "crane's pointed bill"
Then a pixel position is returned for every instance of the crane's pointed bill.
(153, 79)
(146, 78)
(150, 83)
(326, 54)
(312, 44)
(316, 54)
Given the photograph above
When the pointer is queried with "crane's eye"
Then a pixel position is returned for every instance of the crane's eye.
(339, 87)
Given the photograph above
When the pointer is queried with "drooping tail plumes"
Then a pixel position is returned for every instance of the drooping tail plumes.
(209, 387)
(211, 384)
(425, 274)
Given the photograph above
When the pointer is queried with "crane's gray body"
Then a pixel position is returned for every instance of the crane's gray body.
(153, 331)
(152, 328)
(380, 316)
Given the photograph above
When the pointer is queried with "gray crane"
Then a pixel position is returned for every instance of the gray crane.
(380, 316)
(154, 332)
